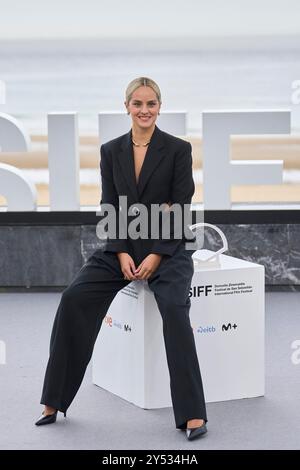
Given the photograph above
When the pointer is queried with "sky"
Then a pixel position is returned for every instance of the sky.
(54, 19)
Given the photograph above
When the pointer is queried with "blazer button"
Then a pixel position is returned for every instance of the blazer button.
(135, 210)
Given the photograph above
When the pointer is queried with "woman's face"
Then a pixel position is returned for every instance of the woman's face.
(143, 107)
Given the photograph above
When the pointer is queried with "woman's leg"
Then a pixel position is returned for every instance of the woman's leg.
(83, 305)
(171, 284)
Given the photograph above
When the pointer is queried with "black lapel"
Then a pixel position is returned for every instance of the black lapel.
(154, 155)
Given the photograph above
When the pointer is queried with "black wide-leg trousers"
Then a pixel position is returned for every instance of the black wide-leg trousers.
(82, 308)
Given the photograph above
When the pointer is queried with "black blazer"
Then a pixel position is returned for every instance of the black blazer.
(165, 177)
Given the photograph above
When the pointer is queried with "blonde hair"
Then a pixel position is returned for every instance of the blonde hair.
(142, 81)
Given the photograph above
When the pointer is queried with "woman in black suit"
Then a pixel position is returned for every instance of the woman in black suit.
(147, 167)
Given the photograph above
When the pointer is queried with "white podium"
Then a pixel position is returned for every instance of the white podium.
(227, 316)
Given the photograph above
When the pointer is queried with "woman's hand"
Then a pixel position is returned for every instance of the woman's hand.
(127, 265)
(148, 266)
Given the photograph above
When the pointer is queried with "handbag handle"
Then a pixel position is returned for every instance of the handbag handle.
(216, 254)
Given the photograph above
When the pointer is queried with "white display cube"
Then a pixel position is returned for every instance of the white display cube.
(227, 316)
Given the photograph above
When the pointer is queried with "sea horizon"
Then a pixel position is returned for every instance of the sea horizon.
(194, 74)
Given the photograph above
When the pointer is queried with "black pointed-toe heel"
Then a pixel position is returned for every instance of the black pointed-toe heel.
(193, 433)
(46, 419)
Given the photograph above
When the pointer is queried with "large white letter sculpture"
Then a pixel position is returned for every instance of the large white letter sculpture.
(63, 157)
(19, 192)
(219, 173)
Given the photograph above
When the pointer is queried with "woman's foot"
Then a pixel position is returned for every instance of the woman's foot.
(48, 416)
(194, 423)
(195, 428)
(48, 410)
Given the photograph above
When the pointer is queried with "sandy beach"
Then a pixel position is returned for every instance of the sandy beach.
(286, 148)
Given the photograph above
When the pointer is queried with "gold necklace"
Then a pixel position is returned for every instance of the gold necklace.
(140, 145)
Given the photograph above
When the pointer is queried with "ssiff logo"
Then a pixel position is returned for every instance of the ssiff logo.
(197, 291)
